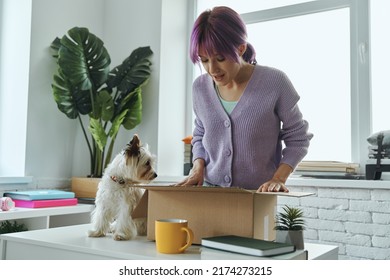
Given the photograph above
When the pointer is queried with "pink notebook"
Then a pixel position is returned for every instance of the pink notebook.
(45, 203)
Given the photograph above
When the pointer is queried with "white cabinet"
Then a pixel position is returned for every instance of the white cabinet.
(42, 218)
(72, 243)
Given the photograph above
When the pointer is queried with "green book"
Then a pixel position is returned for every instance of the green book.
(248, 246)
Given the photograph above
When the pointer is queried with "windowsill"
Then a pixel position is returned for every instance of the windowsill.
(295, 181)
(344, 183)
(15, 180)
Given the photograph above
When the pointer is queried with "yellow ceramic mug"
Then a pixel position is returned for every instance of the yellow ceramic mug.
(173, 236)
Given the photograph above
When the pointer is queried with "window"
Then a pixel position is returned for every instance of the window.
(324, 47)
(316, 57)
(380, 60)
(15, 25)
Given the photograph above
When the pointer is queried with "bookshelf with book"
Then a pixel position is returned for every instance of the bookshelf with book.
(41, 209)
(49, 217)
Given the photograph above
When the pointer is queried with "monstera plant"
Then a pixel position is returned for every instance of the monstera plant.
(84, 87)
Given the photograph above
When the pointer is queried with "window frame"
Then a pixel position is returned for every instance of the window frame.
(360, 62)
(14, 106)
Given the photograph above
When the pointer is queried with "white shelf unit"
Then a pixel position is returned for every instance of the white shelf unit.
(72, 243)
(50, 217)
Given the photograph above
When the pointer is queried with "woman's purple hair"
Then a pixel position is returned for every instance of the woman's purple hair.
(220, 30)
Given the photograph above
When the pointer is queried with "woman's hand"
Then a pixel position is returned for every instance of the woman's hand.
(195, 178)
(276, 184)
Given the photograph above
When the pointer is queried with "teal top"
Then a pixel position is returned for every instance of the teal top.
(227, 105)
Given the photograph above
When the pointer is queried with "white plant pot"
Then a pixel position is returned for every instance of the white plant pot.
(294, 237)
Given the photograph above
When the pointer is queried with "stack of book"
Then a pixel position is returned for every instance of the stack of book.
(247, 245)
(187, 154)
(327, 169)
(42, 198)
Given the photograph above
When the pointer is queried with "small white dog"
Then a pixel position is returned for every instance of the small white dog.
(116, 198)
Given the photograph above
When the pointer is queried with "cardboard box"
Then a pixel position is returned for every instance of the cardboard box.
(212, 211)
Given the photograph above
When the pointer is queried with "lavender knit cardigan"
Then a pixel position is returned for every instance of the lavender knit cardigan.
(245, 148)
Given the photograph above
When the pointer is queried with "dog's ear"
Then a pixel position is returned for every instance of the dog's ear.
(133, 148)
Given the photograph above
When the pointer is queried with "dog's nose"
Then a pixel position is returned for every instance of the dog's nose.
(155, 175)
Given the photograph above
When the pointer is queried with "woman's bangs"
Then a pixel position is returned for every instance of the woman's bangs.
(213, 44)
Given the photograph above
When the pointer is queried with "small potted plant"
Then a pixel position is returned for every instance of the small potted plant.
(8, 227)
(289, 226)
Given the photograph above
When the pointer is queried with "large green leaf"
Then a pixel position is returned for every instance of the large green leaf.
(83, 59)
(98, 133)
(104, 106)
(133, 103)
(116, 124)
(70, 100)
(132, 73)
(55, 46)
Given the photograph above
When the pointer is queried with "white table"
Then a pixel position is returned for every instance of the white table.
(72, 242)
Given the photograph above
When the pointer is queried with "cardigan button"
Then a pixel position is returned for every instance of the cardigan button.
(227, 179)
(227, 123)
(228, 152)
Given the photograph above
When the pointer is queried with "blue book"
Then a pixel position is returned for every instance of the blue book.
(39, 194)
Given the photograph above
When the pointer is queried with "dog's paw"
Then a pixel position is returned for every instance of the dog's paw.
(96, 233)
(120, 237)
(141, 226)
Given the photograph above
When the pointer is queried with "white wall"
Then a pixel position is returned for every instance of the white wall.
(50, 134)
(56, 149)
(127, 26)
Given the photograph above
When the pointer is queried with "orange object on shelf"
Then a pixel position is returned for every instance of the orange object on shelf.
(187, 140)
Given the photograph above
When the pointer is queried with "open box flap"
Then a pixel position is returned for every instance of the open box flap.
(291, 194)
(194, 188)
(166, 187)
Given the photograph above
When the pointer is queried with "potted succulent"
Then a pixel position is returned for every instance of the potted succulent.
(10, 227)
(289, 226)
(102, 99)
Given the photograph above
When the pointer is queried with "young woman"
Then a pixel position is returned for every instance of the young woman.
(243, 111)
